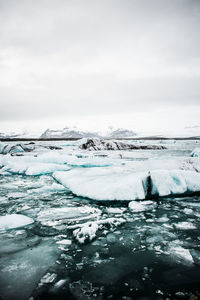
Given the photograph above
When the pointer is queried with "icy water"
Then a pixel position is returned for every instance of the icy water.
(78, 248)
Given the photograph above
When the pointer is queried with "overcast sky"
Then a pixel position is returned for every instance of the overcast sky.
(94, 63)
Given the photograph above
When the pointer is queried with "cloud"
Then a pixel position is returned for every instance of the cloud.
(82, 58)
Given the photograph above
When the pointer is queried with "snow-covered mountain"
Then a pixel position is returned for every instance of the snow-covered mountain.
(121, 133)
(112, 133)
(68, 133)
(76, 133)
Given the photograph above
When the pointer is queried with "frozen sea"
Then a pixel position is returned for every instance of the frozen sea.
(78, 224)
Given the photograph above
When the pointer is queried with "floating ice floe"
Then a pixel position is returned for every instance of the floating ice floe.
(14, 221)
(195, 152)
(118, 183)
(99, 144)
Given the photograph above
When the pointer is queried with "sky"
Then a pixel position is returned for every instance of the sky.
(99, 63)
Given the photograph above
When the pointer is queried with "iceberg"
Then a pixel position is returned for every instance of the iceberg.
(103, 183)
(14, 221)
(98, 144)
(118, 183)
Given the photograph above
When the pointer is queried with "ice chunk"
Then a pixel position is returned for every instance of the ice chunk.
(195, 152)
(139, 206)
(182, 254)
(14, 221)
(185, 225)
(115, 210)
(103, 183)
(10, 148)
